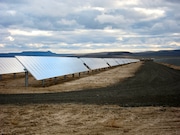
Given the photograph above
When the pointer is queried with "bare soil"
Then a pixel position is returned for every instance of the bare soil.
(139, 98)
(91, 80)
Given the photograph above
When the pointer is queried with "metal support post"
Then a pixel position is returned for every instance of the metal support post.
(43, 83)
(26, 78)
(55, 80)
(14, 75)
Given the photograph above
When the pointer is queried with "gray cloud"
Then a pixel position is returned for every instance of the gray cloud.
(88, 26)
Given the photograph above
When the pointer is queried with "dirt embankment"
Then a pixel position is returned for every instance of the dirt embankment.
(95, 79)
(153, 89)
(78, 119)
(171, 66)
(152, 85)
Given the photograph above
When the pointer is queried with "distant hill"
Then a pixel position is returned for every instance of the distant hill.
(33, 53)
(105, 54)
(163, 53)
(148, 54)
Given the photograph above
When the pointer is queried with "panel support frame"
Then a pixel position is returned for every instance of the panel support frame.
(26, 78)
(43, 82)
(14, 75)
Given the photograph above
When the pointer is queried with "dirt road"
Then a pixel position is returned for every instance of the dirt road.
(146, 103)
(153, 85)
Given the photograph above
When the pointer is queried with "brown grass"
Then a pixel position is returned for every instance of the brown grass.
(94, 79)
(83, 119)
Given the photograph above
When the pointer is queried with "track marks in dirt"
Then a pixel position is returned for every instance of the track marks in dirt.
(93, 80)
(88, 119)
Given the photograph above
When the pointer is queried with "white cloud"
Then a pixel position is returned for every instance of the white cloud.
(104, 18)
(36, 45)
(11, 12)
(2, 45)
(29, 33)
(89, 26)
(67, 22)
(150, 14)
(126, 3)
(120, 38)
(175, 43)
(10, 38)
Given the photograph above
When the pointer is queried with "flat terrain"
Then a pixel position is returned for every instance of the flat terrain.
(139, 98)
(95, 79)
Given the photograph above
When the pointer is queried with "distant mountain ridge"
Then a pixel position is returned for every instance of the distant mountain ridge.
(167, 53)
(148, 54)
(32, 53)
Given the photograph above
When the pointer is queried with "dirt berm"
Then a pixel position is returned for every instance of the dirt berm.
(153, 85)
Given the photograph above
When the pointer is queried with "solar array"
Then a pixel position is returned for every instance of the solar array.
(49, 67)
(111, 62)
(95, 63)
(10, 65)
(44, 67)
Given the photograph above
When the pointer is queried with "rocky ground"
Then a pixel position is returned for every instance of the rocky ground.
(139, 98)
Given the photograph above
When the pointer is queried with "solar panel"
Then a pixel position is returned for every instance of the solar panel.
(119, 61)
(49, 67)
(112, 62)
(132, 60)
(10, 65)
(95, 63)
(126, 61)
(135, 60)
(122, 61)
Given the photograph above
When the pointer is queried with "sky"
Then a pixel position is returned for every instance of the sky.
(87, 26)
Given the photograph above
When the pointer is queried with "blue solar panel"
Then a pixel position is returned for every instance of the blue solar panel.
(49, 67)
(95, 63)
(112, 62)
(10, 65)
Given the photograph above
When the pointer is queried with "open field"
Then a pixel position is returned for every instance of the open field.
(139, 98)
(95, 79)
(170, 60)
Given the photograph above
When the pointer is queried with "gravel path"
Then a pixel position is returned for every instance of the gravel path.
(153, 85)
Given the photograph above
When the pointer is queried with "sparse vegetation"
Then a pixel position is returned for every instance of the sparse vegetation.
(149, 91)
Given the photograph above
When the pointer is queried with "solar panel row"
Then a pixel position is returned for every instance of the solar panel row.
(10, 65)
(111, 62)
(95, 63)
(48, 67)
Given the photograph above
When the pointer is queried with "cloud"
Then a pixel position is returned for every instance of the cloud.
(1, 45)
(89, 26)
(29, 33)
(10, 38)
(110, 19)
(150, 14)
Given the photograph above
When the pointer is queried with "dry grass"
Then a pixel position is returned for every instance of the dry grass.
(97, 79)
(171, 66)
(88, 119)
(83, 119)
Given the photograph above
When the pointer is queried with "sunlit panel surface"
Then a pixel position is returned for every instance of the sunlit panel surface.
(49, 67)
(95, 63)
(119, 61)
(122, 61)
(112, 62)
(126, 61)
(10, 65)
